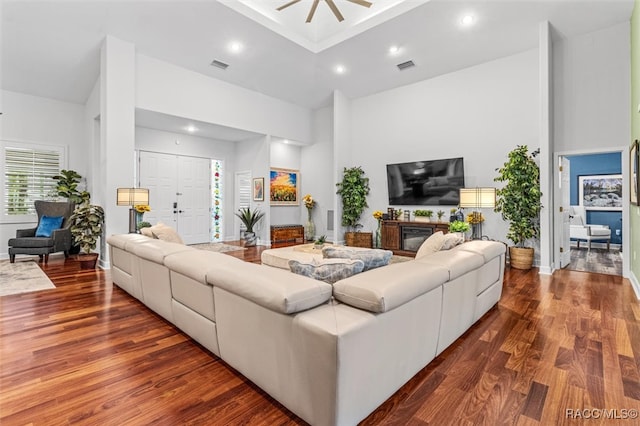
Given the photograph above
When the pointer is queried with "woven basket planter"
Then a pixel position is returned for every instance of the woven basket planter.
(359, 239)
(521, 257)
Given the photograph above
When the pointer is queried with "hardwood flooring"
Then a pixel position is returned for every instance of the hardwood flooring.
(87, 353)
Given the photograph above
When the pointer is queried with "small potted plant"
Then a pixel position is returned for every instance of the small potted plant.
(440, 214)
(319, 242)
(460, 227)
(249, 219)
(87, 221)
(423, 215)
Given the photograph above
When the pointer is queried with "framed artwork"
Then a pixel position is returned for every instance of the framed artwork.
(284, 186)
(601, 192)
(634, 184)
(258, 189)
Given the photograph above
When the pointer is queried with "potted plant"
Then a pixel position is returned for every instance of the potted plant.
(519, 203)
(440, 214)
(87, 221)
(423, 215)
(319, 242)
(249, 219)
(460, 227)
(353, 190)
(67, 187)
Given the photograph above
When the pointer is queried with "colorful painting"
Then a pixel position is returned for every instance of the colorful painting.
(258, 189)
(601, 192)
(283, 188)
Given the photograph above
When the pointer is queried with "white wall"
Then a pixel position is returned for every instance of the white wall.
(43, 121)
(592, 90)
(318, 178)
(479, 113)
(169, 89)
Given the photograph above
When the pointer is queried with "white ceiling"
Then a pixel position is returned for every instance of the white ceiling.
(50, 48)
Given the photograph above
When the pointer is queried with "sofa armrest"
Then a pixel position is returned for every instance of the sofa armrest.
(22, 233)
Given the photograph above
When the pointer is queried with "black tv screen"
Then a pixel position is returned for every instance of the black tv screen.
(426, 183)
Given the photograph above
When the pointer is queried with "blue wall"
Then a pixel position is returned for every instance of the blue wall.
(597, 164)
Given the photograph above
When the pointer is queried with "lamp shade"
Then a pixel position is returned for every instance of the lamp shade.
(132, 196)
(478, 197)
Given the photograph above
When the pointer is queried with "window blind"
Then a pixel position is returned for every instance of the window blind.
(28, 174)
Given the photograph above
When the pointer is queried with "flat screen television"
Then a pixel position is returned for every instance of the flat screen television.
(426, 183)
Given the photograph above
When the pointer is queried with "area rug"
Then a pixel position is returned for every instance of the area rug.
(22, 277)
(597, 260)
(217, 247)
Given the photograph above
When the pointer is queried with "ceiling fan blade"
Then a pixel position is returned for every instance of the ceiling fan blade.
(313, 10)
(335, 10)
(364, 3)
(284, 6)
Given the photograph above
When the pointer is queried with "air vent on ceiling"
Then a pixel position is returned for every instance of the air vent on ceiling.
(219, 64)
(405, 65)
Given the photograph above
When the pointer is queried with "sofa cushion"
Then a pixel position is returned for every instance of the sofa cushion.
(488, 249)
(125, 241)
(165, 233)
(327, 270)
(383, 289)
(196, 264)
(273, 288)
(372, 258)
(47, 225)
(156, 250)
(431, 245)
(458, 262)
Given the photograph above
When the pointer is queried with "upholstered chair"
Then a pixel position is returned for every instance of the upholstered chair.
(581, 231)
(52, 234)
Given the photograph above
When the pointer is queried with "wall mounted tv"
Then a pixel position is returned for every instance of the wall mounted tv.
(426, 183)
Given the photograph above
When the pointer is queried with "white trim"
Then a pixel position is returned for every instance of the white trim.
(634, 284)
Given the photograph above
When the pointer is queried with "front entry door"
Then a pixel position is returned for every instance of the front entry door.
(179, 193)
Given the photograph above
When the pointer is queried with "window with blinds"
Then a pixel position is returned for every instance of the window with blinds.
(28, 173)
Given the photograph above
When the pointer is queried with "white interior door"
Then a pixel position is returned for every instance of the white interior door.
(179, 193)
(565, 190)
(158, 174)
(194, 199)
(243, 198)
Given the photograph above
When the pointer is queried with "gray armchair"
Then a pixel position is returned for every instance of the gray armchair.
(26, 241)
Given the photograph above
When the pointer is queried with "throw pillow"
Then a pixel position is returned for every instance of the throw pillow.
(373, 258)
(147, 232)
(451, 240)
(166, 233)
(327, 270)
(431, 245)
(47, 225)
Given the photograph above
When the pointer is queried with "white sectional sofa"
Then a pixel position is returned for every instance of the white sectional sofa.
(331, 354)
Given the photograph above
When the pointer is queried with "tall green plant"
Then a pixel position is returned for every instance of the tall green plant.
(86, 225)
(353, 189)
(519, 200)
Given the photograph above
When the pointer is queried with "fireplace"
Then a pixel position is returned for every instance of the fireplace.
(414, 236)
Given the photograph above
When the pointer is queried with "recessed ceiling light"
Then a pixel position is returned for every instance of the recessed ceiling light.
(235, 47)
(340, 69)
(467, 20)
(285, 141)
(191, 129)
(394, 49)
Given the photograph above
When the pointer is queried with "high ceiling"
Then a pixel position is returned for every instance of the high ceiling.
(51, 48)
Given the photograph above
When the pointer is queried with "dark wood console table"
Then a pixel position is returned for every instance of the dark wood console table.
(286, 235)
(404, 238)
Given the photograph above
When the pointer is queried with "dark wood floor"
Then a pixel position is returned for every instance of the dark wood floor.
(88, 353)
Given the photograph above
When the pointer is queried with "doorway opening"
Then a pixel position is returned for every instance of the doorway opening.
(592, 197)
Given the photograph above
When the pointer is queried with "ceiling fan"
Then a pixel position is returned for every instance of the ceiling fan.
(331, 4)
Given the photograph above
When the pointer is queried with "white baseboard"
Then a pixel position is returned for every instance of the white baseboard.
(635, 284)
